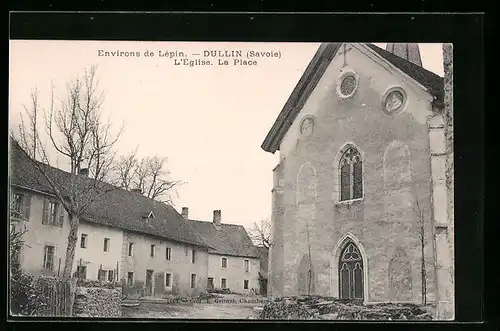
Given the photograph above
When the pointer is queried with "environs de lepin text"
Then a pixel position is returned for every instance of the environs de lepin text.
(202, 58)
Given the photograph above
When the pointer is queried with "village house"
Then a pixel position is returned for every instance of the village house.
(233, 261)
(361, 167)
(122, 236)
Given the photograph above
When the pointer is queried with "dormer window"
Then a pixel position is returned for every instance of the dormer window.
(149, 215)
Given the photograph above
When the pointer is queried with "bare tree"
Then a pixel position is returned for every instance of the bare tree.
(124, 170)
(32, 121)
(148, 174)
(421, 237)
(77, 132)
(310, 270)
(260, 233)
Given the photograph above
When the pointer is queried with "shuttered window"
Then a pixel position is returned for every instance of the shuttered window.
(48, 257)
(53, 213)
(20, 206)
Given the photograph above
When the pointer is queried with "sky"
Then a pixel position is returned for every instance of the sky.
(209, 121)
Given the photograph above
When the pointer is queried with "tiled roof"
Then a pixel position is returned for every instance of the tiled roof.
(118, 208)
(315, 70)
(432, 82)
(226, 239)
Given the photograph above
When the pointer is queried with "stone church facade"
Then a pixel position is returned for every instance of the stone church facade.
(361, 177)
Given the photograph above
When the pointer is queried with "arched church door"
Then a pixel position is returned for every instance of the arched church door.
(351, 273)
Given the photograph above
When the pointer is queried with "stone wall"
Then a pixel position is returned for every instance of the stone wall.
(97, 300)
(446, 308)
(324, 308)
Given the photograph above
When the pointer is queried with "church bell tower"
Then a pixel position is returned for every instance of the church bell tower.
(409, 52)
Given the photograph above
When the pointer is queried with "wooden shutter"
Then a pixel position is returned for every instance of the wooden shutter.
(45, 258)
(26, 206)
(45, 215)
(61, 216)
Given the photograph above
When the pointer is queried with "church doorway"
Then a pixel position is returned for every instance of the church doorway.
(351, 273)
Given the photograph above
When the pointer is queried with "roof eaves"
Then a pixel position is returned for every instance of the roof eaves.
(315, 69)
(124, 228)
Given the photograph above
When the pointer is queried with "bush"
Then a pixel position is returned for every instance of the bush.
(25, 299)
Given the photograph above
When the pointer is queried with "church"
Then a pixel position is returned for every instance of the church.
(360, 197)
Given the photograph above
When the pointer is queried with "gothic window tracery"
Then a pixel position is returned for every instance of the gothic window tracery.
(351, 175)
(351, 273)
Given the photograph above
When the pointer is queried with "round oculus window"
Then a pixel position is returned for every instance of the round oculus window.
(394, 101)
(307, 126)
(348, 85)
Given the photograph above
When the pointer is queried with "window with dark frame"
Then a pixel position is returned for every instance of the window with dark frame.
(106, 245)
(81, 272)
(223, 283)
(130, 278)
(193, 256)
(168, 253)
(224, 262)
(130, 249)
(152, 252)
(247, 265)
(48, 258)
(83, 241)
(245, 284)
(102, 274)
(193, 280)
(53, 213)
(53, 208)
(351, 175)
(168, 280)
(111, 275)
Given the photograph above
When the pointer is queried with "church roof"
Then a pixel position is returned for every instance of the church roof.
(315, 70)
(118, 208)
(226, 239)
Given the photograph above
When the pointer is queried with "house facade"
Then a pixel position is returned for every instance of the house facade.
(361, 178)
(123, 236)
(233, 261)
(163, 267)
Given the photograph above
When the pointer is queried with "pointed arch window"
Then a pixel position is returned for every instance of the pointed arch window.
(351, 175)
(351, 273)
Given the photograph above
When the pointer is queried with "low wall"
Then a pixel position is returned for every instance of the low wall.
(95, 299)
(318, 308)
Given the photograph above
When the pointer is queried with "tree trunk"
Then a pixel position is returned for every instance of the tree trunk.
(423, 270)
(70, 250)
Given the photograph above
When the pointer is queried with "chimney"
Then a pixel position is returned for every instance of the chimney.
(84, 172)
(217, 217)
(185, 212)
(136, 190)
